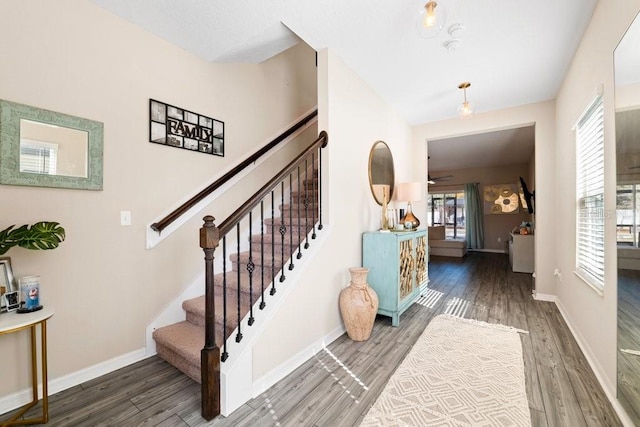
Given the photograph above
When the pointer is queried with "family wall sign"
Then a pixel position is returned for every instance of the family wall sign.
(180, 128)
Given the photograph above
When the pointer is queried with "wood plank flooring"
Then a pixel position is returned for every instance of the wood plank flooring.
(338, 385)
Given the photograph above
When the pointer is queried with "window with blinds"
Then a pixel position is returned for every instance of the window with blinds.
(590, 195)
(38, 157)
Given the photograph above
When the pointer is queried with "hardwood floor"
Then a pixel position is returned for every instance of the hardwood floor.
(337, 386)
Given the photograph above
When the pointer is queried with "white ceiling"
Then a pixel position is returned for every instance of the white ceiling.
(514, 52)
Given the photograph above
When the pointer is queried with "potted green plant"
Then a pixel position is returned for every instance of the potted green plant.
(42, 235)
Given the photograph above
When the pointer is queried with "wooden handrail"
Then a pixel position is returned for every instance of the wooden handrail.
(178, 212)
(234, 218)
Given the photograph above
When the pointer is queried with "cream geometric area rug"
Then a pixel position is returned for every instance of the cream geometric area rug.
(460, 372)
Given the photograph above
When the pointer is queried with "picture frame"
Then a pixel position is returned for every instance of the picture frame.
(7, 281)
(12, 301)
(180, 128)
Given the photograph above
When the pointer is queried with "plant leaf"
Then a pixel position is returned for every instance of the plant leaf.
(42, 235)
(6, 240)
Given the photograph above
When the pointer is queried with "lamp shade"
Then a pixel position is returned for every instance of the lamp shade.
(409, 191)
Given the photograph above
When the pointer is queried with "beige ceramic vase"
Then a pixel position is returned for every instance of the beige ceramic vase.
(358, 305)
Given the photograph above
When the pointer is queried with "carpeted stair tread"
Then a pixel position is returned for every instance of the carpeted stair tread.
(304, 222)
(276, 239)
(195, 308)
(183, 338)
(232, 278)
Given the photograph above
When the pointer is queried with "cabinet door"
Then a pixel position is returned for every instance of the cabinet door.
(421, 260)
(407, 266)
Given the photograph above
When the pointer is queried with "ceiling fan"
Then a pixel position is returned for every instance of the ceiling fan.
(435, 179)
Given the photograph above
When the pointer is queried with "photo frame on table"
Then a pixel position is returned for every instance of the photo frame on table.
(7, 284)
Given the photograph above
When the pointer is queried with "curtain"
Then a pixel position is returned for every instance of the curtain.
(473, 224)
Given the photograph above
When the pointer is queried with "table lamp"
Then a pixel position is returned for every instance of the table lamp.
(409, 192)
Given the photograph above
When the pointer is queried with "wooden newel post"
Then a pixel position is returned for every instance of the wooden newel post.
(210, 355)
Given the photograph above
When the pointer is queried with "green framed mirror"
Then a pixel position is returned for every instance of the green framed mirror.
(44, 148)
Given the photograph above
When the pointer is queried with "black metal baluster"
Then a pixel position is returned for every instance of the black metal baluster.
(239, 334)
(250, 267)
(299, 239)
(291, 247)
(283, 231)
(320, 185)
(273, 245)
(225, 354)
(306, 202)
(262, 303)
(315, 196)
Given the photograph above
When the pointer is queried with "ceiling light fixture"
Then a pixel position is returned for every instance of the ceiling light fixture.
(466, 109)
(431, 20)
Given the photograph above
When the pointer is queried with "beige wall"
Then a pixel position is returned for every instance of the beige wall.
(592, 316)
(495, 226)
(355, 118)
(73, 57)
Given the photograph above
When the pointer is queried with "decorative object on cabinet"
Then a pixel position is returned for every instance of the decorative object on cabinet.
(358, 305)
(7, 286)
(43, 148)
(43, 235)
(384, 190)
(409, 192)
(381, 171)
(501, 199)
(29, 294)
(11, 301)
(180, 128)
(397, 266)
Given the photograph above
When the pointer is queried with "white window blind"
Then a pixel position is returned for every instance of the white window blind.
(38, 157)
(590, 195)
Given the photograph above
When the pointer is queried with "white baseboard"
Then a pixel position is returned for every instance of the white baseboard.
(493, 251)
(20, 398)
(544, 297)
(609, 389)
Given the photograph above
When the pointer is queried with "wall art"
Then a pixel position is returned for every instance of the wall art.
(180, 128)
(501, 199)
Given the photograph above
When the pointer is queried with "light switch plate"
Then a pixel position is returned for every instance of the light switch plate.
(125, 217)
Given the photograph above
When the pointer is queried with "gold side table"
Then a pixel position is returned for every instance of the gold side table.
(15, 322)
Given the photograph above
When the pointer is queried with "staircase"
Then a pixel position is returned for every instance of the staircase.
(180, 344)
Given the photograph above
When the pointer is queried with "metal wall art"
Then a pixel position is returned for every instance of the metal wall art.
(180, 128)
(501, 199)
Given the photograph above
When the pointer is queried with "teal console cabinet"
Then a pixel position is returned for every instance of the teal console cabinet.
(397, 263)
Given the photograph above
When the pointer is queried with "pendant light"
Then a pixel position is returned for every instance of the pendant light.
(431, 19)
(466, 109)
